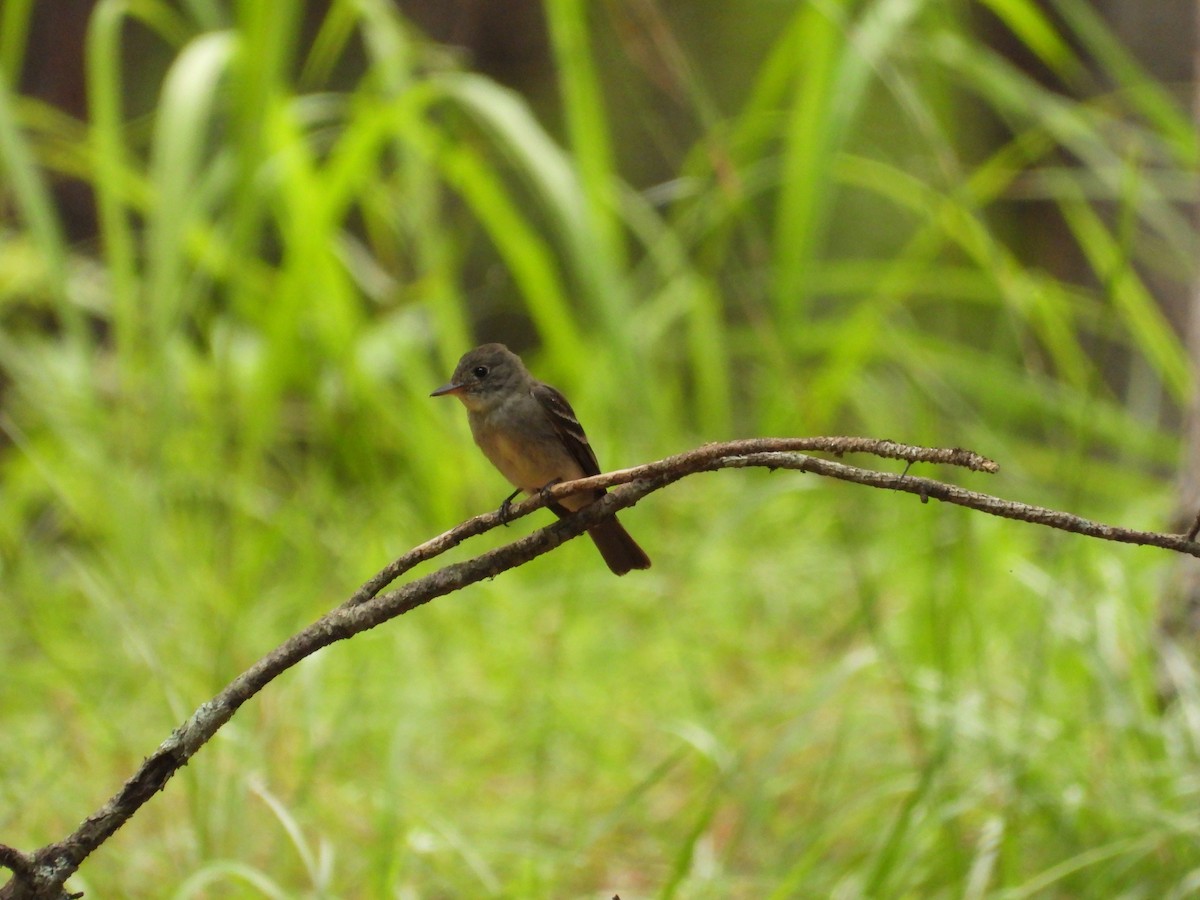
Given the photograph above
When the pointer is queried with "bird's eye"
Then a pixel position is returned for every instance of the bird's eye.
(480, 371)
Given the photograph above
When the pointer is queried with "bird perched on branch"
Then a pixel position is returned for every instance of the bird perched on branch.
(530, 433)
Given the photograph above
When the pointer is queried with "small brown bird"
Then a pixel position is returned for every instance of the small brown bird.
(529, 432)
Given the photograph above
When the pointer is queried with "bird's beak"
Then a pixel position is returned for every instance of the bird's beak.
(448, 389)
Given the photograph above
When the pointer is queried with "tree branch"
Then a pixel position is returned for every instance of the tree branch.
(18, 862)
(41, 875)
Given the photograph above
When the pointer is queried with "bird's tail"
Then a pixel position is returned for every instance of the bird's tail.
(619, 550)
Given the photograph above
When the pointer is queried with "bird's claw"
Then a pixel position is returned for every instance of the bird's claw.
(544, 490)
(505, 510)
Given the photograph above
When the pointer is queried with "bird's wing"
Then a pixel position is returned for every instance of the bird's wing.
(565, 423)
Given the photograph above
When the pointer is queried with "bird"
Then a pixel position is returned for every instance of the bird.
(530, 433)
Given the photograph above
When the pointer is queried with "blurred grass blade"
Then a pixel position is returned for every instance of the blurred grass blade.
(816, 119)
(525, 253)
(15, 16)
(1133, 302)
(1160, 107)
(180, 143)
(522, 142)
(602, 268)
(111, 176)
(1029, 23)
(36, 206)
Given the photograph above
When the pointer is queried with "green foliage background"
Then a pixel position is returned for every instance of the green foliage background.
(216, 425)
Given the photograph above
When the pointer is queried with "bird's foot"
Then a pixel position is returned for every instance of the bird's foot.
(506, 508)
(545, 488)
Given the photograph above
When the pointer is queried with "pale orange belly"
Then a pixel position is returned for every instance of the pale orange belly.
(531, 465)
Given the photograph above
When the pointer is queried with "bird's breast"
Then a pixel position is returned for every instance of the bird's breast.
(530, 458)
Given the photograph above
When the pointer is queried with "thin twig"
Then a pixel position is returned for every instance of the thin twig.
(41, 875)
(1194, 530)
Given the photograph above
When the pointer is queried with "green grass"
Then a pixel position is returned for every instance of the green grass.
(216, 425)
